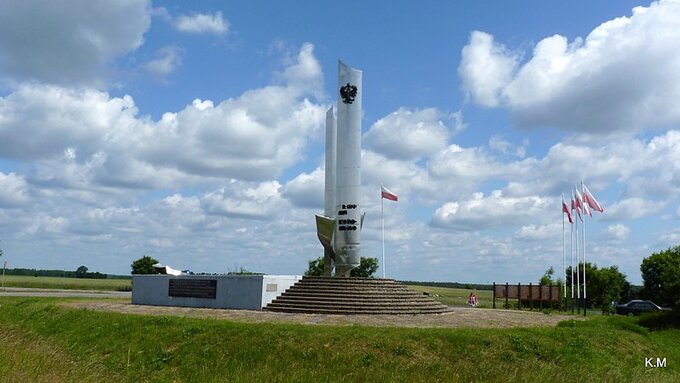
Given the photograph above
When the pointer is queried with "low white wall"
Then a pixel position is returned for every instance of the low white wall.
(251, 292)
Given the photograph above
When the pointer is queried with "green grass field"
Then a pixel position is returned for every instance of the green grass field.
(67, 283)
(47, 342)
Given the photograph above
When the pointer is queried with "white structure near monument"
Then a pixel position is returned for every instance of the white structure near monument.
(251, 292)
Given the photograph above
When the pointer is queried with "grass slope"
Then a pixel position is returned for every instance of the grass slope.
(25, 358)
(164, 349)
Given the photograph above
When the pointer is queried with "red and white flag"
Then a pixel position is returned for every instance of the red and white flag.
(582, 204)
(576, 205)
(591, 201)
(565, 209)
(384, 193)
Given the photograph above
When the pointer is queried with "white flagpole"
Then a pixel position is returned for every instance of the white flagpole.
(564, 266)
(382, 224)
(571, 252)
(584, 257)
(578, 274)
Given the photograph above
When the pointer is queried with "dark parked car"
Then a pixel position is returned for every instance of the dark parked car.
(636, 307)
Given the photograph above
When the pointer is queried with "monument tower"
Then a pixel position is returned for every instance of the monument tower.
(339, 230)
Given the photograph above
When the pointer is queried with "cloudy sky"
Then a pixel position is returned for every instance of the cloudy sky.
(195, 135)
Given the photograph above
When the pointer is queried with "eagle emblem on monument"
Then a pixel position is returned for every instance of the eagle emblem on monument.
(348, 93)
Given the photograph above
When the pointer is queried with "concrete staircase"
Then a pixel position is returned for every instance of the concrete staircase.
(336, 295)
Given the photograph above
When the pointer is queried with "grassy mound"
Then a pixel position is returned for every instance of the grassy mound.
(103, 346)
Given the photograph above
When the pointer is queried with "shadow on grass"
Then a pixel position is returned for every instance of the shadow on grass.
(660, 321)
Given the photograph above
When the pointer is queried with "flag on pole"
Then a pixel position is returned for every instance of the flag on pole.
(384, 194)
(591, 201)
(565, 209)
(581, 204)
(388, 194)
(586, 209)
(576, 205)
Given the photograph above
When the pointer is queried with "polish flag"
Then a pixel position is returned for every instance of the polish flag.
(565, 209)
(576, 205)
(388, 194)
(591, 201)
(582, 205)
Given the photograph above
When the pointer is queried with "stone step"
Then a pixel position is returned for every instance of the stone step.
(333, 295)
(339, 298)
(349, 303)
(349, 280)
(369, 292)
(385, 286)
(350, 286)
(357, 312)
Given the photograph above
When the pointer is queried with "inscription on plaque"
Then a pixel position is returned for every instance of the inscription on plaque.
(347, 224)
(272, 287)
(193, 288)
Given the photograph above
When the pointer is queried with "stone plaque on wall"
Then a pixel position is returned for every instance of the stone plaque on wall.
(193, 288)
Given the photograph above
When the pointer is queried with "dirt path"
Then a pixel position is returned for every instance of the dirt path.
(459, 317)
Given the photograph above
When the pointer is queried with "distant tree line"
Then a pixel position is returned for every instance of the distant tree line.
(454, 285)
(78, 273)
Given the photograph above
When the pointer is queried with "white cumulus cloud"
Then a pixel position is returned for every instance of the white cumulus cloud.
(242, 200)
(623, 76)
(13, 190)
(167, 60)
(632, 208)
(618, 232)
(534, 232)
(70, 42)
(486, 68)
(306, 190)
(408, 134)
(493, 211)
(203, 23)
(254, 136)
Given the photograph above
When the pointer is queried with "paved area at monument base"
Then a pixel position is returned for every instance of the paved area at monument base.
(459, 317)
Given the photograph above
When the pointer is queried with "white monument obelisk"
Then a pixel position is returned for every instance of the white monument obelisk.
(347, 235)
(329, 185)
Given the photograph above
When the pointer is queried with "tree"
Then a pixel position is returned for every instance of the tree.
(603, 285)
(546, 279)
(144, 265)
(366, 269)
(315, 268)
(606, 285)
(661, 277)
(81, 272)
